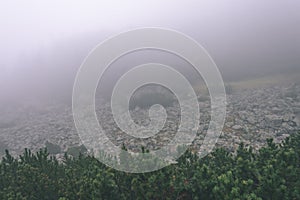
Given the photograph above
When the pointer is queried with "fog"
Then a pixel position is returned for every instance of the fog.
(44, 43)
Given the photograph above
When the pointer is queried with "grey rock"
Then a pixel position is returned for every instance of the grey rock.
(237, 127)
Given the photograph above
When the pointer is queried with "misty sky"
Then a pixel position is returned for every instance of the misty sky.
(238, 34)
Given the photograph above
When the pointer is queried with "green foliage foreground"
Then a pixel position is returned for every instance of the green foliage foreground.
(271, 173)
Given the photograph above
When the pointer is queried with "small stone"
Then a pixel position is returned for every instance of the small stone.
(237, 127)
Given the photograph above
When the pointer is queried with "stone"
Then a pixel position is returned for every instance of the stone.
(237, 127)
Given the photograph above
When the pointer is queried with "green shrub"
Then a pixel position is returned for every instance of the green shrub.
(271, 173)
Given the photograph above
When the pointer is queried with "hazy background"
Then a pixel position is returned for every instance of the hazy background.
(43, 43)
